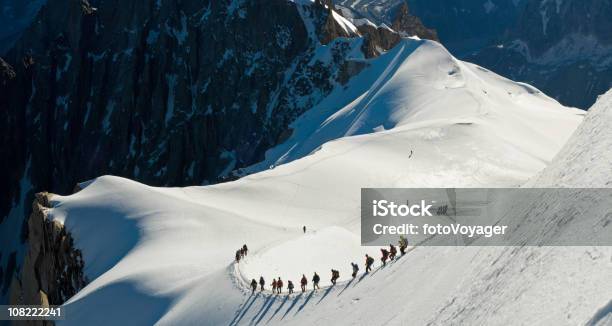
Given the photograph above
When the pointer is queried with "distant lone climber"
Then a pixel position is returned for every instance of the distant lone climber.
(335, 276)
(245, 249)
(304, 228)
(303, 283)
(369, 262)
(355, 270)
(290, 286)
(262, 282)
(279, 285)
(253, 285)
(315, 281)
(392, 251)
(274, 284)
(385, 256)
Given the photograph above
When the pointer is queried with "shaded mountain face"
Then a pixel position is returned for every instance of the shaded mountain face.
(563, 47)
(15, 16)
(149, 89)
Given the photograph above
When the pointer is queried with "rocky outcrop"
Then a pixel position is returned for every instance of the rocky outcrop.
(377, 39)
(328, 28)
(410, 25)
(7, 73)
(52, 270)
(378, 36)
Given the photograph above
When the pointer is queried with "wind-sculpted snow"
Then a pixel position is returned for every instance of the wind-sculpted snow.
(418, 88)
(415, 117)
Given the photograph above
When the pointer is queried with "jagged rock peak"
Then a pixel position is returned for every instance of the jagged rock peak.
(377, 39)
(329, 24)
(410, 25)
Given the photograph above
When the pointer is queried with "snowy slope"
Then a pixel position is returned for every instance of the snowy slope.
(416, 117)
(586, 159)
(419, 94)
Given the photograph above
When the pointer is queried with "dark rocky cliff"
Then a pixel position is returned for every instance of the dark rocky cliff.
(155, 93)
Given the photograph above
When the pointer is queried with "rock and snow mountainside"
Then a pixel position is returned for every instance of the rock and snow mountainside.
(563, 47)
(416, 116)
(161, 92)
(417, 96)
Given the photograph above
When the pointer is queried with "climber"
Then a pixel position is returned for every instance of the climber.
(369, 262)
(304, 228)
(238, 256)
(355, 269)
(245, 249)
(303, 283)
(274, 284)
(279, 285)
(253, 285)
(315, 281)
(290, 286)
(385, 255)
(393, 251)
(262, 282)
(335, 276)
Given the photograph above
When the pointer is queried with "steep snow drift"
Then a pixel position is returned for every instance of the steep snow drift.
(418, 117)
(586, 159)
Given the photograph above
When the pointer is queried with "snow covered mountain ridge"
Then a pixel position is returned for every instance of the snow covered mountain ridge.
(413, 117)
(349, 108)
(419, 88)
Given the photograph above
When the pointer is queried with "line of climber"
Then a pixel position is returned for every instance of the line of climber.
(277, 284)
